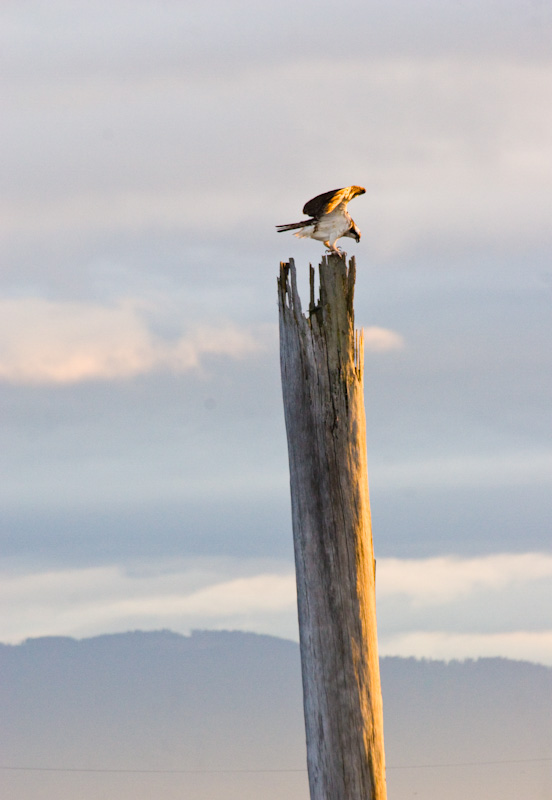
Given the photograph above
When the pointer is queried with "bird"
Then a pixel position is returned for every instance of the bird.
(328, 218)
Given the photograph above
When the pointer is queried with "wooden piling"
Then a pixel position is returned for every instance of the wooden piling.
(321, 359)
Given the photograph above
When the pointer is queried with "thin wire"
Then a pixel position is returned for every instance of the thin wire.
(473, 763)
(265, 771)
(148, 771)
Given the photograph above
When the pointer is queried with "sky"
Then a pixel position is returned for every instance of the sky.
(148, 149)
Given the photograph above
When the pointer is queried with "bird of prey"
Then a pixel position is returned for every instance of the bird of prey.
(328, 218)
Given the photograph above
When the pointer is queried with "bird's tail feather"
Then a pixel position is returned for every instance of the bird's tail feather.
(294, 225)
(305, 233)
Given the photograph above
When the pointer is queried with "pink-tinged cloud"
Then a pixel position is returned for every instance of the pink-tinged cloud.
(382, 340)
(67, 342)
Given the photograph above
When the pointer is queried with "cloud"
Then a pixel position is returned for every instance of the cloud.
(261, 592)
(455, 153)
(533, 646)
(259, 595)
(129, 210)
(66, 342)
(433, 581)
(215, 594)
(381, 340)
(178, 35)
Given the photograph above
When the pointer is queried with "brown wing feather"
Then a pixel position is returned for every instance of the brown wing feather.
(317, 206)
(325, 203)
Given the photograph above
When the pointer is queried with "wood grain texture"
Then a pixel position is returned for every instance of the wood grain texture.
(322, 381)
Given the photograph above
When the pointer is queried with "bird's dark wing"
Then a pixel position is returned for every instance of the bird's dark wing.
(325, 203)
(318, 205)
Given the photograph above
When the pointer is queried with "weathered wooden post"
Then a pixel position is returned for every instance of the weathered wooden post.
(322, 379)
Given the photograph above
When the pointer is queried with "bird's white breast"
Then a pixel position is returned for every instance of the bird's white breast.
(333, 225)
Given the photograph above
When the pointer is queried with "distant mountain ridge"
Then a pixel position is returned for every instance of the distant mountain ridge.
(219, 714)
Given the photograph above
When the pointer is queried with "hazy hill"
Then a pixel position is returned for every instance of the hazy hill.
(219, 715)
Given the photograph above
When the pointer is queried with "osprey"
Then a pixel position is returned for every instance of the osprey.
(328, 218)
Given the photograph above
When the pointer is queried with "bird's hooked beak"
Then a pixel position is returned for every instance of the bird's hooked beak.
(354, 233)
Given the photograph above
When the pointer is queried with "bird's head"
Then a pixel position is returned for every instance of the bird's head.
(353, 232)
